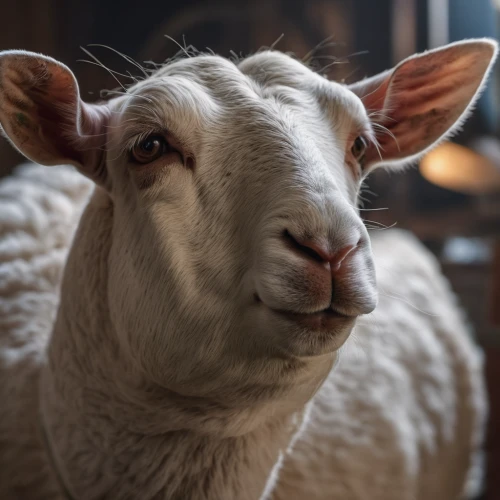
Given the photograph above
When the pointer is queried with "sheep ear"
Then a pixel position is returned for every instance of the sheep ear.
(424, 98)
(43, 116)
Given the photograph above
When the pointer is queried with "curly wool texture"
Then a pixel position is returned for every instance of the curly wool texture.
(403, 401)
(407, 395)
(39, 212)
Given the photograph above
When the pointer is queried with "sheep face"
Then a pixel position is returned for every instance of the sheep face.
(236, 238)
(233, 238)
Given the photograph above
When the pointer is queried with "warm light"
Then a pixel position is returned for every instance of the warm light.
(460, 169)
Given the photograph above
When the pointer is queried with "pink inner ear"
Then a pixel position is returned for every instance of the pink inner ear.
(42, 113)
(374, 97)
(67, 125)
(56, 106)
(424, 97)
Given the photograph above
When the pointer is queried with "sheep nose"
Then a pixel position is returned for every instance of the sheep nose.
(317, 251)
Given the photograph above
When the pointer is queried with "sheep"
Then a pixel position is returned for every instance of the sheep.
(202, 314)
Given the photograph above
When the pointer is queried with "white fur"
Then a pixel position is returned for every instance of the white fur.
(164, 377)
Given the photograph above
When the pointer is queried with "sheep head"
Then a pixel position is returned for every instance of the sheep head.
(236, 238)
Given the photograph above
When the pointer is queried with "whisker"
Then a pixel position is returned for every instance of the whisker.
(388, 132)
(326, 45)
(402, 299)
(183, 49)
(350, 74)
(328, 57)
(278, 40)
(379, 228)
(373, 91)
(379, 224)
(235, 56)
(152, 63)
(127, 58)
(378, 147)
(131, 96)
(328, 66)
(381, 115)
(100, 66)
(135, 79)
(320, 46)
(103, 66)
(356, 54)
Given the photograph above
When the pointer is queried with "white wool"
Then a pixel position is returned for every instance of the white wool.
(405, 398)
(39, 212)
(383, 420)
(215, 334)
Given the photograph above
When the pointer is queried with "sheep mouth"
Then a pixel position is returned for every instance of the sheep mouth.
(327, 319)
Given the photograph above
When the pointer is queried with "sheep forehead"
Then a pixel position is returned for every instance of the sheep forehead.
(204, 88)
(259, 74)
(275, 69)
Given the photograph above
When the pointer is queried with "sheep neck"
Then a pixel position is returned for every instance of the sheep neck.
(113, 434)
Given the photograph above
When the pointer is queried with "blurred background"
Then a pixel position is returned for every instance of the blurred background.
(451, 200)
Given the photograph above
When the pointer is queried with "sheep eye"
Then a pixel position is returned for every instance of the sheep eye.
(359, 147)
(149, 149)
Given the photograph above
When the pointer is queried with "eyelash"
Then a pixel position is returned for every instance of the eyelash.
(362, 142)
(134, 139)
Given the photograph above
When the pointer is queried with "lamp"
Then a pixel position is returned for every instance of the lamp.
(459, 168)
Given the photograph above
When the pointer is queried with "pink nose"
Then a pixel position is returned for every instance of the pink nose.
(320, 252)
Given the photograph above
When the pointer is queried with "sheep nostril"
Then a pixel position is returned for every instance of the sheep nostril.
(304, 249)
(319, 252)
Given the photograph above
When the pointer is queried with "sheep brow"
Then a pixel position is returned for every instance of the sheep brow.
(138, 106)
(103, 147)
